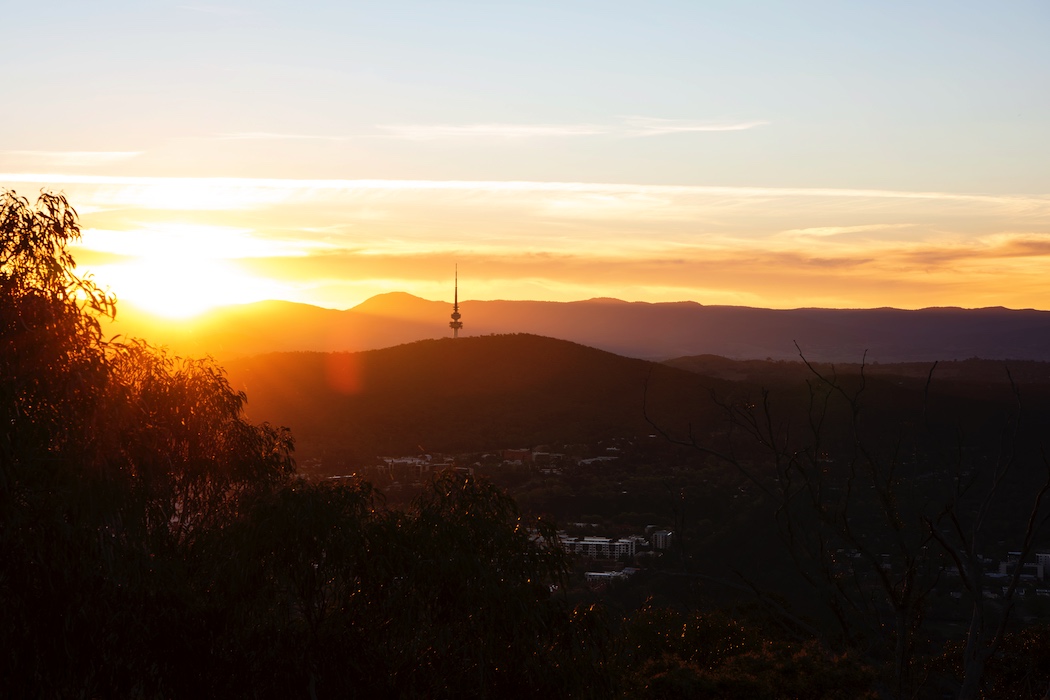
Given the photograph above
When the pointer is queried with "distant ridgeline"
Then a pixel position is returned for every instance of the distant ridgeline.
(633, 329)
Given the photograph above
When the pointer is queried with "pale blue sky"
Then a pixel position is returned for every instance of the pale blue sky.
(943, 97)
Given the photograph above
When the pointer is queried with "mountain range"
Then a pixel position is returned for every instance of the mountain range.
(655, 331)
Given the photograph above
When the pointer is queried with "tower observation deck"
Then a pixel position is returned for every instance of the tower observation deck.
(455, 324)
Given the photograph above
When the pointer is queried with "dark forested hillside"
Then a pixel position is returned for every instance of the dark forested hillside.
(465, 394)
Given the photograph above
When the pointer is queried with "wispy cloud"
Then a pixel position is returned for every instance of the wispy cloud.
(765, 211)
(1019, 244)
(827, 231)
(175, 240)
(628, 127)
(431, 132)
(273, 136)
(980, 251)
(649, 126)
(1035, 205)
(63, 159)
(221, 10)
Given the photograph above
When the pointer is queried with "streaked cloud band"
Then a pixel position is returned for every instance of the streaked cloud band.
(307, 185)
(629, 127)
(333, 239)
(72, 159)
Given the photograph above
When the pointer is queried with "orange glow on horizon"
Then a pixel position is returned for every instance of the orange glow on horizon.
(177, 289)
(178, 271)
(178, 247)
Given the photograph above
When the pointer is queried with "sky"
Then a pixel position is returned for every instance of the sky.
(775, 154)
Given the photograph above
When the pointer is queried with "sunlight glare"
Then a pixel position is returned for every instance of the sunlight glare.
(181, 289)
(179, 271)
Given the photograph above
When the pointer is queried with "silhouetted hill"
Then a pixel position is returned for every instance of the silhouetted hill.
(632, 329)
(406, 306)
(463, 395)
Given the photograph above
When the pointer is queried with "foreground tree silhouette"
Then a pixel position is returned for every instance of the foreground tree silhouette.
(153, 543)
(112, 455)
(447, 598)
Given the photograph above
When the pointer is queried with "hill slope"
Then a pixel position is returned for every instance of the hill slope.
(463, 395)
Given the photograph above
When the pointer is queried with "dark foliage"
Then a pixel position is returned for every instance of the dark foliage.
(890, 493)
(717, 655)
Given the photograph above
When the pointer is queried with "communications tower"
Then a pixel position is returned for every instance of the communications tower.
(455, 324)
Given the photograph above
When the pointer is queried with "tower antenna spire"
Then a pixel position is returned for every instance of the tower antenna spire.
(455, 324)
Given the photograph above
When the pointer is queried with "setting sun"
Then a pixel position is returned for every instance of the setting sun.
(181, 288)
(178, 271)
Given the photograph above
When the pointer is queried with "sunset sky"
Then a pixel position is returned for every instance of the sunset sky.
(777, 154)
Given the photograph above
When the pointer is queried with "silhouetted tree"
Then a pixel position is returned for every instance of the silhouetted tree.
(112, 456)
